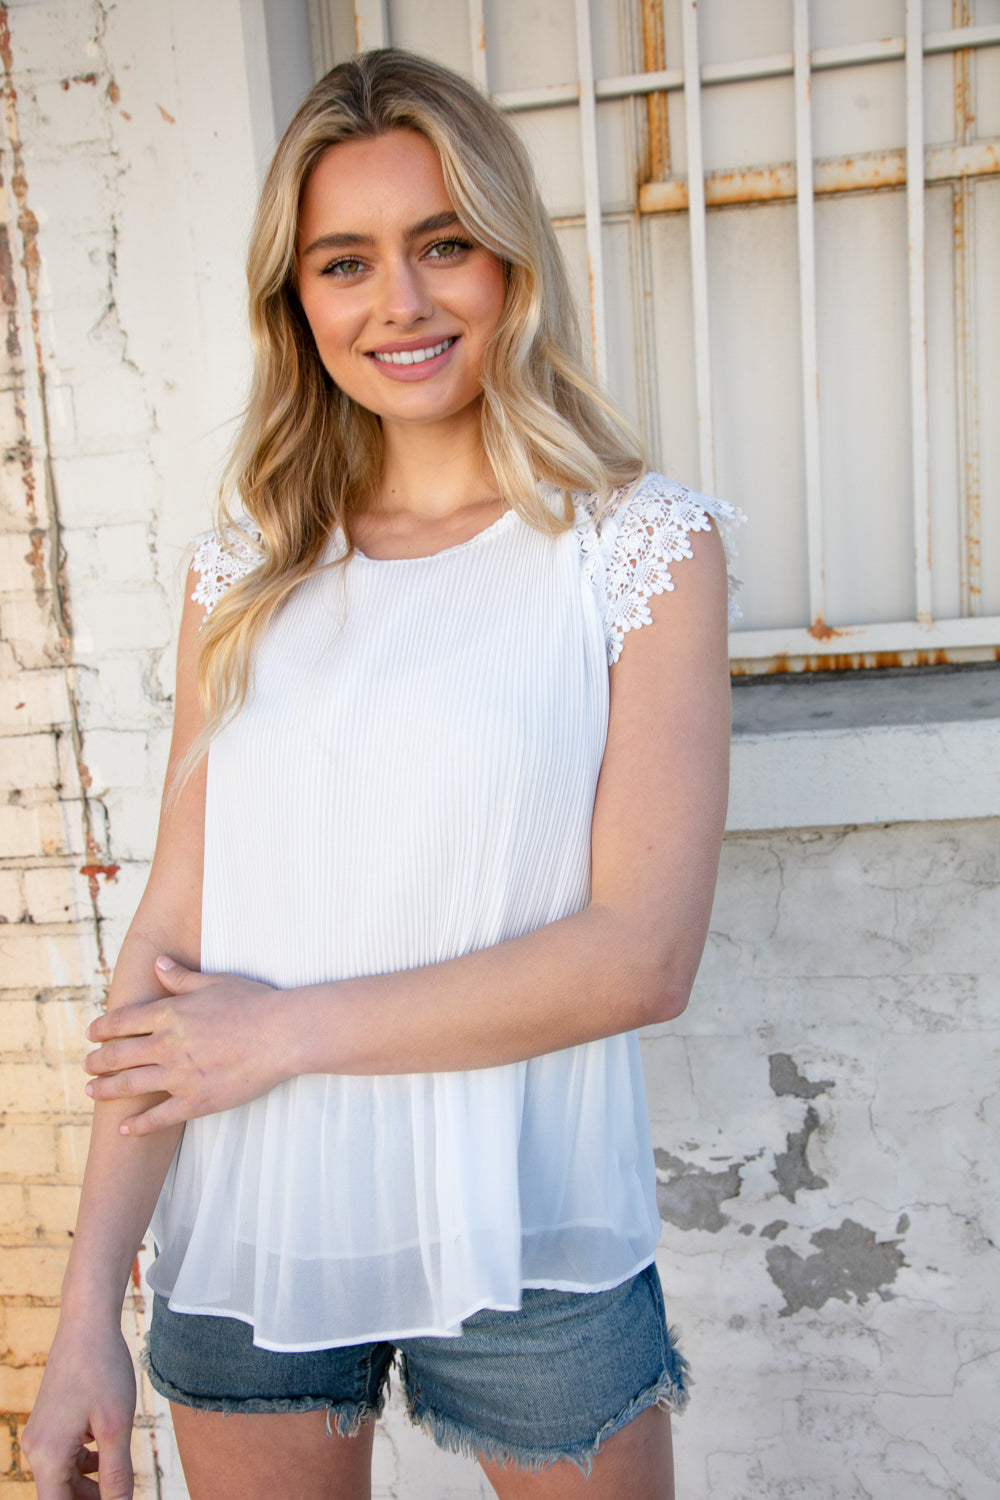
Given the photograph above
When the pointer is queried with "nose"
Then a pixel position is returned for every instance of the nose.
(405, 297)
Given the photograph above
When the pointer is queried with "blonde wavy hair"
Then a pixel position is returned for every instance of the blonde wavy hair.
(307, 457)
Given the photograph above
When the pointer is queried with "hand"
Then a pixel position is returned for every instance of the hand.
(87, 1395)
(214, 1043)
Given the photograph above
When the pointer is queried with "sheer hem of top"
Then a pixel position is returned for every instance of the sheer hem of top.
(628, 550)
(220, 560)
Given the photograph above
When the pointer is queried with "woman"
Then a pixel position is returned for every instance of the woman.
(440, 861)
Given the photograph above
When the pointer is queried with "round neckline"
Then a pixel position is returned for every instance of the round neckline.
(470, 541)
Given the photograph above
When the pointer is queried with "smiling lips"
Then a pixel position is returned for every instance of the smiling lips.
(412, 356)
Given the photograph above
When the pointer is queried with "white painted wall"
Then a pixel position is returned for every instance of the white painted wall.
(826, 1111)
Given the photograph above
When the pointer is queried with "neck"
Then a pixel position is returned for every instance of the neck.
(434, 470)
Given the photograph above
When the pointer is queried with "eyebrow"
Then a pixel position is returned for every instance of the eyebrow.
(447, 219)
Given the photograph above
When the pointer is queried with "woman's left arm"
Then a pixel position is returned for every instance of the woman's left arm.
(627, 959)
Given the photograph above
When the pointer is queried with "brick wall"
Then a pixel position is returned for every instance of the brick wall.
(85, 629)
(51, 966)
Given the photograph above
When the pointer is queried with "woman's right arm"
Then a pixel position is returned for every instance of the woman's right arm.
(88, 1391)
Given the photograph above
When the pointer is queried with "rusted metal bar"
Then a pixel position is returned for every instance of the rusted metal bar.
(654, 58)
(843, 647)
(807, 311)
(966, 360)
(371, 24)
(699, 257)
(591, 191)
(916, 238)
(776, 65)
(835, 174)
(477, 32)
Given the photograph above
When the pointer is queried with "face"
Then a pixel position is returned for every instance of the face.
(400, 300)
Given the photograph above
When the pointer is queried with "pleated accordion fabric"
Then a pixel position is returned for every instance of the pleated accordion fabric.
(413, 778)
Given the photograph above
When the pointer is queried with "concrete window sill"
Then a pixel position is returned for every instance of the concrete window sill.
(865, 747)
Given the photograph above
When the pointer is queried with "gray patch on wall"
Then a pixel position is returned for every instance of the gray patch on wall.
(690, 1196)
(791, 1168)
(786, 1079)
(849, 1262)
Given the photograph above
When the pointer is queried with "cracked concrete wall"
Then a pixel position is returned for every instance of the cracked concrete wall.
(824, 1114)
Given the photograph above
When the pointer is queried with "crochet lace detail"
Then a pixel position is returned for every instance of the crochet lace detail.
(220, 561)
(628, 551)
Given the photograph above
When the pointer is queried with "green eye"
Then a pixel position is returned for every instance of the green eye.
(446, 249)
(348, 266)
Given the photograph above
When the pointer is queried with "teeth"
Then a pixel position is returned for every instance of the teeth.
(414, 356)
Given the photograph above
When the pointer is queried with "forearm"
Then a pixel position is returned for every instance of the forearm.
(123, 1176)
(588, 976)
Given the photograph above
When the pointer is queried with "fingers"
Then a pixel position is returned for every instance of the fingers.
(115, 1470)
(127, 1083)
(140, 1018)
(175, 977)
(127, 1020)
(161, 1117)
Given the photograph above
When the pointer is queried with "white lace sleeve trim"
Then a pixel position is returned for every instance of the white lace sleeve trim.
(220, 561)
(628, 552)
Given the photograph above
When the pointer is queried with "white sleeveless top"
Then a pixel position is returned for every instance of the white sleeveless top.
(413, 778)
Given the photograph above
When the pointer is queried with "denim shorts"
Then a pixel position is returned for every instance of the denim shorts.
(551, 1381)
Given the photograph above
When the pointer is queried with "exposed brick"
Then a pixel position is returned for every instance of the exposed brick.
(29, 760)
(10, 424)
(29, 1332)
(13, 1208)
(18, 1389)
(31, 1271)
(20, 1028)
(6, 1450)
(29, 1151)
(46, 828)
(33, 700)
(43, 958)
(63, 1023)
(12, 900)
(57, 893)
(72, 1144)
(30, 1088)
(23, 560)
(52, 1209)
(28, 623)
(20, 485)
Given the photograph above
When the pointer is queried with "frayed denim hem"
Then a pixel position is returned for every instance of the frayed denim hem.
(670, 1393)
(343, 1418)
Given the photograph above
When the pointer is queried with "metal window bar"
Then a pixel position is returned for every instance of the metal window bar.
(371, 24)
(477, 33)
(592, 190)
(818, 645)
(966, 386)
(917, 259)
(699, 256)
(807, 311)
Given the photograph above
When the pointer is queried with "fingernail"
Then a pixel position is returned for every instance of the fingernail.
(165, 963)
(89, 1090)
